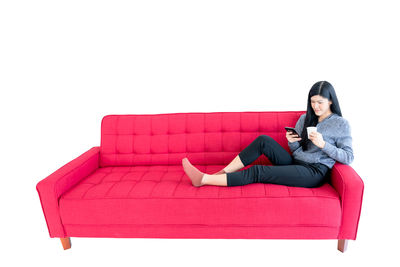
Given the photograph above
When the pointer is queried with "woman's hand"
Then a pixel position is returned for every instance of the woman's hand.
(292, 137)
(317, 139)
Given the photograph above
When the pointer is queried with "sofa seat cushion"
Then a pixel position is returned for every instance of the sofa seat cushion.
(162, 195)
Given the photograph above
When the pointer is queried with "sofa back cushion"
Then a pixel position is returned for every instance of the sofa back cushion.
(213, 138)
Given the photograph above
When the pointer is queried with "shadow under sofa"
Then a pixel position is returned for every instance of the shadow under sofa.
(133, 184)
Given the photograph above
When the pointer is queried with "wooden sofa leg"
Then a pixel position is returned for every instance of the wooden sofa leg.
(342, 245)
(66, 243)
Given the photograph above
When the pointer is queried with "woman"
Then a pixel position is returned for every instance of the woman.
(311, 157)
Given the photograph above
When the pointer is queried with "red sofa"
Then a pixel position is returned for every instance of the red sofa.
(133, 185)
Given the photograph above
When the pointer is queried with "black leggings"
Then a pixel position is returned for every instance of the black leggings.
(289, 171)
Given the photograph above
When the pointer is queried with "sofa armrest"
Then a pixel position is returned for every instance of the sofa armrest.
(53, 186)
(350, 187)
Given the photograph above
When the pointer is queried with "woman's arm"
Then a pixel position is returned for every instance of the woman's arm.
(343, 151)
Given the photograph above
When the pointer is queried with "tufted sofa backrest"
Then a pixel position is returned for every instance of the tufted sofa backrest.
(212, 138)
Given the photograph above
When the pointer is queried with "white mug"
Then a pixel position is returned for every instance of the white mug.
(311, 130)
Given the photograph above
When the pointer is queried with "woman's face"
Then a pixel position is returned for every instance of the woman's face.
(321, 105)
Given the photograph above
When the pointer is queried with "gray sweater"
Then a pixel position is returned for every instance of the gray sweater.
(336, 133)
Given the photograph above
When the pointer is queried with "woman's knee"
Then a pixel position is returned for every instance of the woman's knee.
(265, 138)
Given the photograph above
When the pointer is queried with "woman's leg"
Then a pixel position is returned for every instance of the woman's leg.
(216, 179)
(235, 165)
(266, 145)
(290, 175)
(263, 144)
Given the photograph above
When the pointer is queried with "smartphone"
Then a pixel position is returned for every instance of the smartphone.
(293, 130)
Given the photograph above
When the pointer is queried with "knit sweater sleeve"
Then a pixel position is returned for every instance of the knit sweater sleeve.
(299, 128)
(342, 151)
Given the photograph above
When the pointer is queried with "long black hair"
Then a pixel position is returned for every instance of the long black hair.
(326, 90)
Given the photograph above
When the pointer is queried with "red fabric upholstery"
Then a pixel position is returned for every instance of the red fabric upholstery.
(134, 184)
(350, 187)
(51, 188)
(205, 138)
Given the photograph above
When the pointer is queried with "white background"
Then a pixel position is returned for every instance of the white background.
(66, 64)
